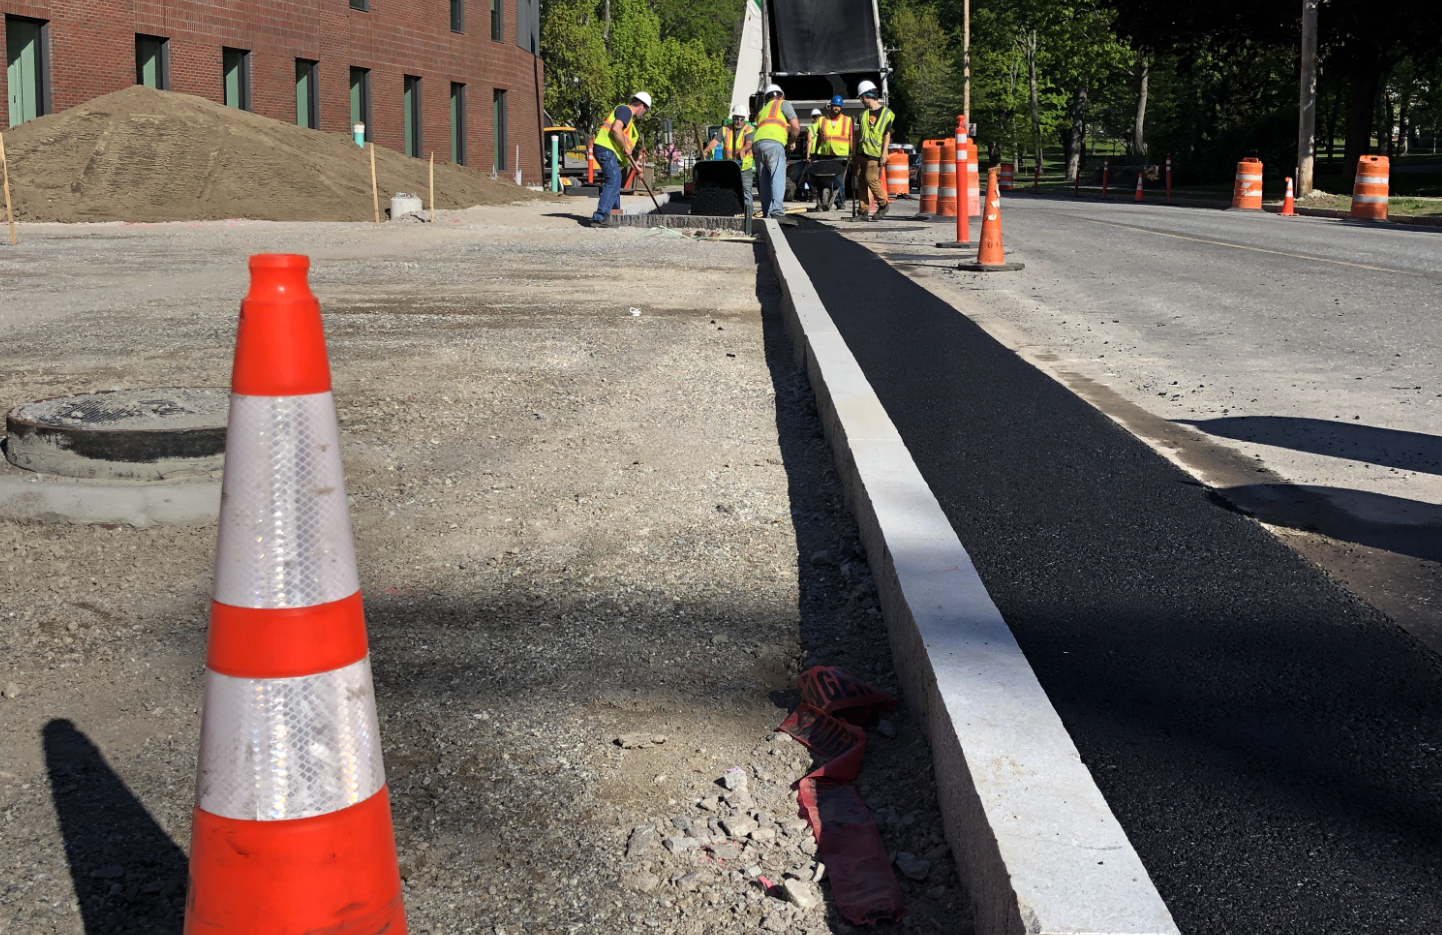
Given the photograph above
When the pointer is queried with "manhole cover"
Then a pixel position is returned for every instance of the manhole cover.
(146, 434)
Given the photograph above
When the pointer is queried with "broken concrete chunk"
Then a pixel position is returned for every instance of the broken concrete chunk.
(638, 879)
(913, 867)
(801, 893)
(885, 728)
(738, 826)
(764, 835)
(709, 804)
(639, 741)
(641, 840)
(680, 845)
(735, 779)
(725, 851)
(693, 880)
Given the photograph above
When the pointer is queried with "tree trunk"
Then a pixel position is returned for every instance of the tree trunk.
(1139, 139)
(1076, 139)
(1031, 49)
(606, 29)
(1365, 79)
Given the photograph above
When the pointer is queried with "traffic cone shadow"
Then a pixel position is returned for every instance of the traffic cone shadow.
(292, 824)
(991, 258)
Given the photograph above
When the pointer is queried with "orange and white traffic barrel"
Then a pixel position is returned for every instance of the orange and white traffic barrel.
(946, 191)
(898, 174)
(591, 164)
(1006, 177)
(930, 175)
(973, 180)
(1247, 192)
(292, 824)
(1369, 191)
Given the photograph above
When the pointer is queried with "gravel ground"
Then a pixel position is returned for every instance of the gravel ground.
(579, 530)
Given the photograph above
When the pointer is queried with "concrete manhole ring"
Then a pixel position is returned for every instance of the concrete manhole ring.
(141, 434)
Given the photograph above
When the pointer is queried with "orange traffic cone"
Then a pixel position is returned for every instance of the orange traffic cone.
(1139, 185)
(1289, 207)
(990, 258)
(292, 825)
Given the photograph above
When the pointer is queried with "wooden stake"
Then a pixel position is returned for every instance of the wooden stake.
(375, 195)
(5, 168)
(433, 187)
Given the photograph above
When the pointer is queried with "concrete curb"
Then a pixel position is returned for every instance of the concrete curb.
(642, 203)
(1035, 841)
(37, 499)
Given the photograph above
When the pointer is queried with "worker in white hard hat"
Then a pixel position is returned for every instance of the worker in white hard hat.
(776, 127)
(735, 142)
(615, 141)
(873, 143)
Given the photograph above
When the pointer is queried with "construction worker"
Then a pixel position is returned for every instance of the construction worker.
(735, 142)
(813, 132)
(833, 141)
(873, 142)
(615, 141)
(776, 127)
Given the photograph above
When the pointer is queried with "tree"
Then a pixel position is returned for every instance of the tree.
(925, 83)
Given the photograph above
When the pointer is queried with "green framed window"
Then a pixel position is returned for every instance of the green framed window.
(458, 124)
(411, 105)
(458, 15)
(307, 95)
(498, 122)
(360, 98)
(152, 62)
(497, 25)
(27, 68)
(235, 72)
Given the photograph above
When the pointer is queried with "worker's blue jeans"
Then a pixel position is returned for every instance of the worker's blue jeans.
(771, 176)
(610, 183)
(748, 177)
(838, 187)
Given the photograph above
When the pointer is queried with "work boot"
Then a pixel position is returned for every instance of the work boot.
(881, 212)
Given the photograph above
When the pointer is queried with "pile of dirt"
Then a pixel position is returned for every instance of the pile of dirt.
(146, 155)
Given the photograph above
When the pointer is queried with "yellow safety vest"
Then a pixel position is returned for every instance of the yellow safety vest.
(772, 124)
(606, 137)
(874, 126)
(835, 136)
(731, 145)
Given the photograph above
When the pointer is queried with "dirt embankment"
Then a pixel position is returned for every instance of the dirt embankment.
(146, 155)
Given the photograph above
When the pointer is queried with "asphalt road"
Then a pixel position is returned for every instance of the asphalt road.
(1271, 744)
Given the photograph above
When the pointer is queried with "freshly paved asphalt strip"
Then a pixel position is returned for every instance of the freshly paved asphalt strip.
(1271, 745)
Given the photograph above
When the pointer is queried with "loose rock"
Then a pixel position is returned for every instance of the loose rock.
(801, 893)
(885, 728)
(641, 840)
(738, 827)
(639, 741)
(913, 867)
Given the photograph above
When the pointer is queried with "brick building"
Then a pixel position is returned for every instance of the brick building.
(460, 78)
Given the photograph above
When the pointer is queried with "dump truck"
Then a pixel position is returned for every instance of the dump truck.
(813, 49)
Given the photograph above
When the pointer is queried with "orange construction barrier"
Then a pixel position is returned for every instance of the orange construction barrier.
(1140, 172)
(946, 191)
(1008, 176)
(898, 175)
(990, 257)
(1289, 205)
(1247, 192)
(1369, 191)
(930, 175)
(591, 164)
(291, 830)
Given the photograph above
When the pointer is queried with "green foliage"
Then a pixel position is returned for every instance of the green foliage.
(584, 80)
(927, 84)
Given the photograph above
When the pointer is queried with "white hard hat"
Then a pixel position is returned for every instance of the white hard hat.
(772, 89)
(864, 88)
(816, 112)
(738, 111)
(643, 97)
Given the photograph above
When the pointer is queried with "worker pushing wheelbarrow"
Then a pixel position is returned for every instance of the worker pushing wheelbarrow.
(830, 154)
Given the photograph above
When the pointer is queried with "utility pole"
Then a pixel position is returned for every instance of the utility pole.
(1307, 123)
(966, 58)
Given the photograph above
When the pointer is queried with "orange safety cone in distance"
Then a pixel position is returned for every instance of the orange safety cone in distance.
(292, 824)
(1289, 207)
(1140, 173)
(990, 257)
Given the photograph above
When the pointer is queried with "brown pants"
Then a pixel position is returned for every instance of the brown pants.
(875, 180)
